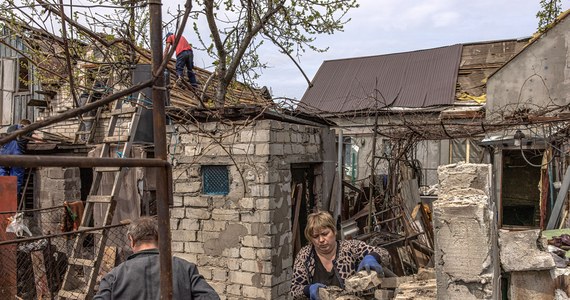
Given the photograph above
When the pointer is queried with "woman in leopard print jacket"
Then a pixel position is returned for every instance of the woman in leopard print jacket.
(327, 260)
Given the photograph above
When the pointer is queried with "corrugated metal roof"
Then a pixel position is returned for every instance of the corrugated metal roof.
(411, 79)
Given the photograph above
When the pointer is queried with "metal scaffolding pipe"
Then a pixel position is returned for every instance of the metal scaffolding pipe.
(32, 161)
(163, 180)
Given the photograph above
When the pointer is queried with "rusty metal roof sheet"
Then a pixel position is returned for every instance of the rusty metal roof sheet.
(415, 79)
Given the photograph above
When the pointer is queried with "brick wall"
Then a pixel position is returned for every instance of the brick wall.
(241, 241)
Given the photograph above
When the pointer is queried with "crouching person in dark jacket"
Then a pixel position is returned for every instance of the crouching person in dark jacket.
(139, 276)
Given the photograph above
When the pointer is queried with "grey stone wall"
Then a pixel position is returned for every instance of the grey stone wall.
(240, 241)
(466, 249)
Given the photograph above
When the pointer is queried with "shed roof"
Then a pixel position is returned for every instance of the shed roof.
(414, 79)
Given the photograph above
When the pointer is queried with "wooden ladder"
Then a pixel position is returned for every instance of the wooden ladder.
(88, 121)
(72, 286)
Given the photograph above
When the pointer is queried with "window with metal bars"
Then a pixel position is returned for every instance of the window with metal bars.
(215, 180)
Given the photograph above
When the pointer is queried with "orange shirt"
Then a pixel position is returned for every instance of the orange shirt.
(182, 44)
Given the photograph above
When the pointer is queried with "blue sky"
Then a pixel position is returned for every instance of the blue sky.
(390, 26)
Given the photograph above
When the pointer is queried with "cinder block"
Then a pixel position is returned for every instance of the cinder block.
(519, 251)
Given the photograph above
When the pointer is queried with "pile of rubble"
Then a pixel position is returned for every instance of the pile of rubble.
(363, 286)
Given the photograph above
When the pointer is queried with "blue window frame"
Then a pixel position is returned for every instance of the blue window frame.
(215, 180)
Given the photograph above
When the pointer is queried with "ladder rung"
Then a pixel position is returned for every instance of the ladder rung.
(82, 132)
(88, 118)
(123, 111)
(71, 295)
(99, 199)
(120, 138)
(107, 169)
(81, 262)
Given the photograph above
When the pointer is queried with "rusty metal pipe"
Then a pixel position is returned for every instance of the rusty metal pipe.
(31, 161)
(163, 181)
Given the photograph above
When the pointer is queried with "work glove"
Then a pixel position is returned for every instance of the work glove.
(370, 262)
(314, 290)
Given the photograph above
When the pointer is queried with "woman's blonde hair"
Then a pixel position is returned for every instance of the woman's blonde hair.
(319, 220)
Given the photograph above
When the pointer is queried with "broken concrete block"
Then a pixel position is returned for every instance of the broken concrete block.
(362, 281)
(466, 251)
(330, 292)
(519, 251)
(536, 285)
(464, 179)
(394, 282)
(417, 290)
(335, 293)
(383, 294)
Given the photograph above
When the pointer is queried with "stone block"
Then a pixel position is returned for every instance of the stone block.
(536, 285)
(247, 203)
(190, 224)
(187, 187)
(362, 281)
(183, 235)
(174, 223)
(243, 149)
(247, 253)
(178, 212)
(264, 254)
(177, 201)
(261, 136)
(194, 247)
(231, 252)
(262, 149)
(464, 179)
(196, 201)
(259, 216)
(177, 247)
(234, 289)
(519, 251)
(241, 277)
(219, 274)
(197, 213)
(210, 225)
(257, 266)
(276, 149)
(221, 214)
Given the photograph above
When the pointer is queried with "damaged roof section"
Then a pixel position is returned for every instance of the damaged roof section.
(411, 79)
(433, 78)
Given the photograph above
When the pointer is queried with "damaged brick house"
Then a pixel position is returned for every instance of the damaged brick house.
(239, 173)
(521, 133)
(408, 105)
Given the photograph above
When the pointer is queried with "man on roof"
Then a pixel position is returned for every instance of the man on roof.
(184, 58)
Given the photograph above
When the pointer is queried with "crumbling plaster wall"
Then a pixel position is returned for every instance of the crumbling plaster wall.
(241, 241)
(466, 247)
(538, 76)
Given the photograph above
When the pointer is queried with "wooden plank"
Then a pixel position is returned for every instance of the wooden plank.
(109, 260)
(297, 196)
(560, 199)
(40, 276)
